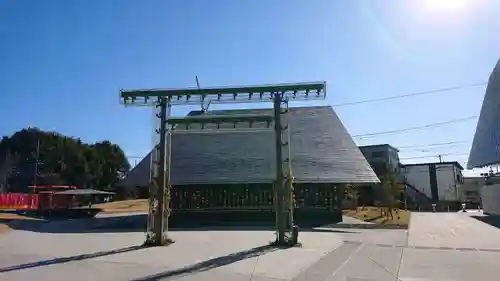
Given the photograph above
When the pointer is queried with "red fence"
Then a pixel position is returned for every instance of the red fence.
(19, 201)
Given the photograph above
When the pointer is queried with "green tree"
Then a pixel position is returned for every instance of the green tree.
(352, 194)
(59, 160)
(391, 190)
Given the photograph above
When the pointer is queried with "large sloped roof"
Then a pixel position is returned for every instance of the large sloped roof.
(321, 150)
(486, 145)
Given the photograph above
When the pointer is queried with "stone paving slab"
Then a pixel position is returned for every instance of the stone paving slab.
(109, 271)
(81, 271)
(195, 247)
(371, 236)
(10, 260)
(423, 265)
(440, 247)
(425, 247)
(452, 230)
(233, 253)
(62, 245)
(370, 263)
(355, 262)
(216, 275)
(324, 268)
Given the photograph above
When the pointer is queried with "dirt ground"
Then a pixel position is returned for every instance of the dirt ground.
(373, 214)
(139, 205)
(5, 218)
(4, 228)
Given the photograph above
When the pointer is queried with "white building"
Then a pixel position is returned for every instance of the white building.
(488, 188)
(439, 181)
(490, 196)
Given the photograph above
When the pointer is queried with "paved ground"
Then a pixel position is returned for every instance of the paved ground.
(448, 246)
(451, 246)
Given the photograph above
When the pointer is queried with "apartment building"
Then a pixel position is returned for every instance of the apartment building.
(439, 181)
(383, 158)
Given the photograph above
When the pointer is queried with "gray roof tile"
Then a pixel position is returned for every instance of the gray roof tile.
(321, 149)
(485, 148)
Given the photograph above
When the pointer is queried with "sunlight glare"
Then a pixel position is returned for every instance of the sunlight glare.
(446, 5)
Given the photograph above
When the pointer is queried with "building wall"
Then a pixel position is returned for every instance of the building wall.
(418, 177)
(471, 189)
(490, 197)
(209, 205)
(445, 176)
(448, 182)
(383, 159)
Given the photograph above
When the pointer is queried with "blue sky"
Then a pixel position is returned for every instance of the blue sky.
(62, 62)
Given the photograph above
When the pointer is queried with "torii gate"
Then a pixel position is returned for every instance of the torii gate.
(163, 99)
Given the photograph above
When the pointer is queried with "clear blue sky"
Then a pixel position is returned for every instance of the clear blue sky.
(63, 62)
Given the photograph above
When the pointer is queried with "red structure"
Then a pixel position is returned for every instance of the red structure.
(49, 200)
(39, 198)
(19, 201)
(53, 200)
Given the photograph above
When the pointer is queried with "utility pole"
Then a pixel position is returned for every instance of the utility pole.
(36, 169)
(161, 180)
(204, 107)
(440, 158)
(280, 220)
(36, 161)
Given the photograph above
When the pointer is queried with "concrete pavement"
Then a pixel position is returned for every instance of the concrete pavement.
(451, 230)
(450, 246)
(111, 256)
(438, 246)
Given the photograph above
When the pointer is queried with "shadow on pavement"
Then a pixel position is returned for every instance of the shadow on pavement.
(69, 259)
(198, 267)
(137, 223)
(491, 220)
(211, 263)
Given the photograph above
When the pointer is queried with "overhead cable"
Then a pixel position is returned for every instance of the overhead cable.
(424, 127)
(411, 95)
(432, 156)
(432, 144)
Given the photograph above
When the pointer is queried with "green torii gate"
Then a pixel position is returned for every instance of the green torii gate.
(164, 99)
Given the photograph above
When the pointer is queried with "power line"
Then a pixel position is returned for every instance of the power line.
(429, 149)
(433, 148)
(432, 156)
(432, 144)
(405, 129)
(424, 127)
(411, 95)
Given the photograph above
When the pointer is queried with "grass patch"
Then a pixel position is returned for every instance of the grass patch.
(373, 214)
